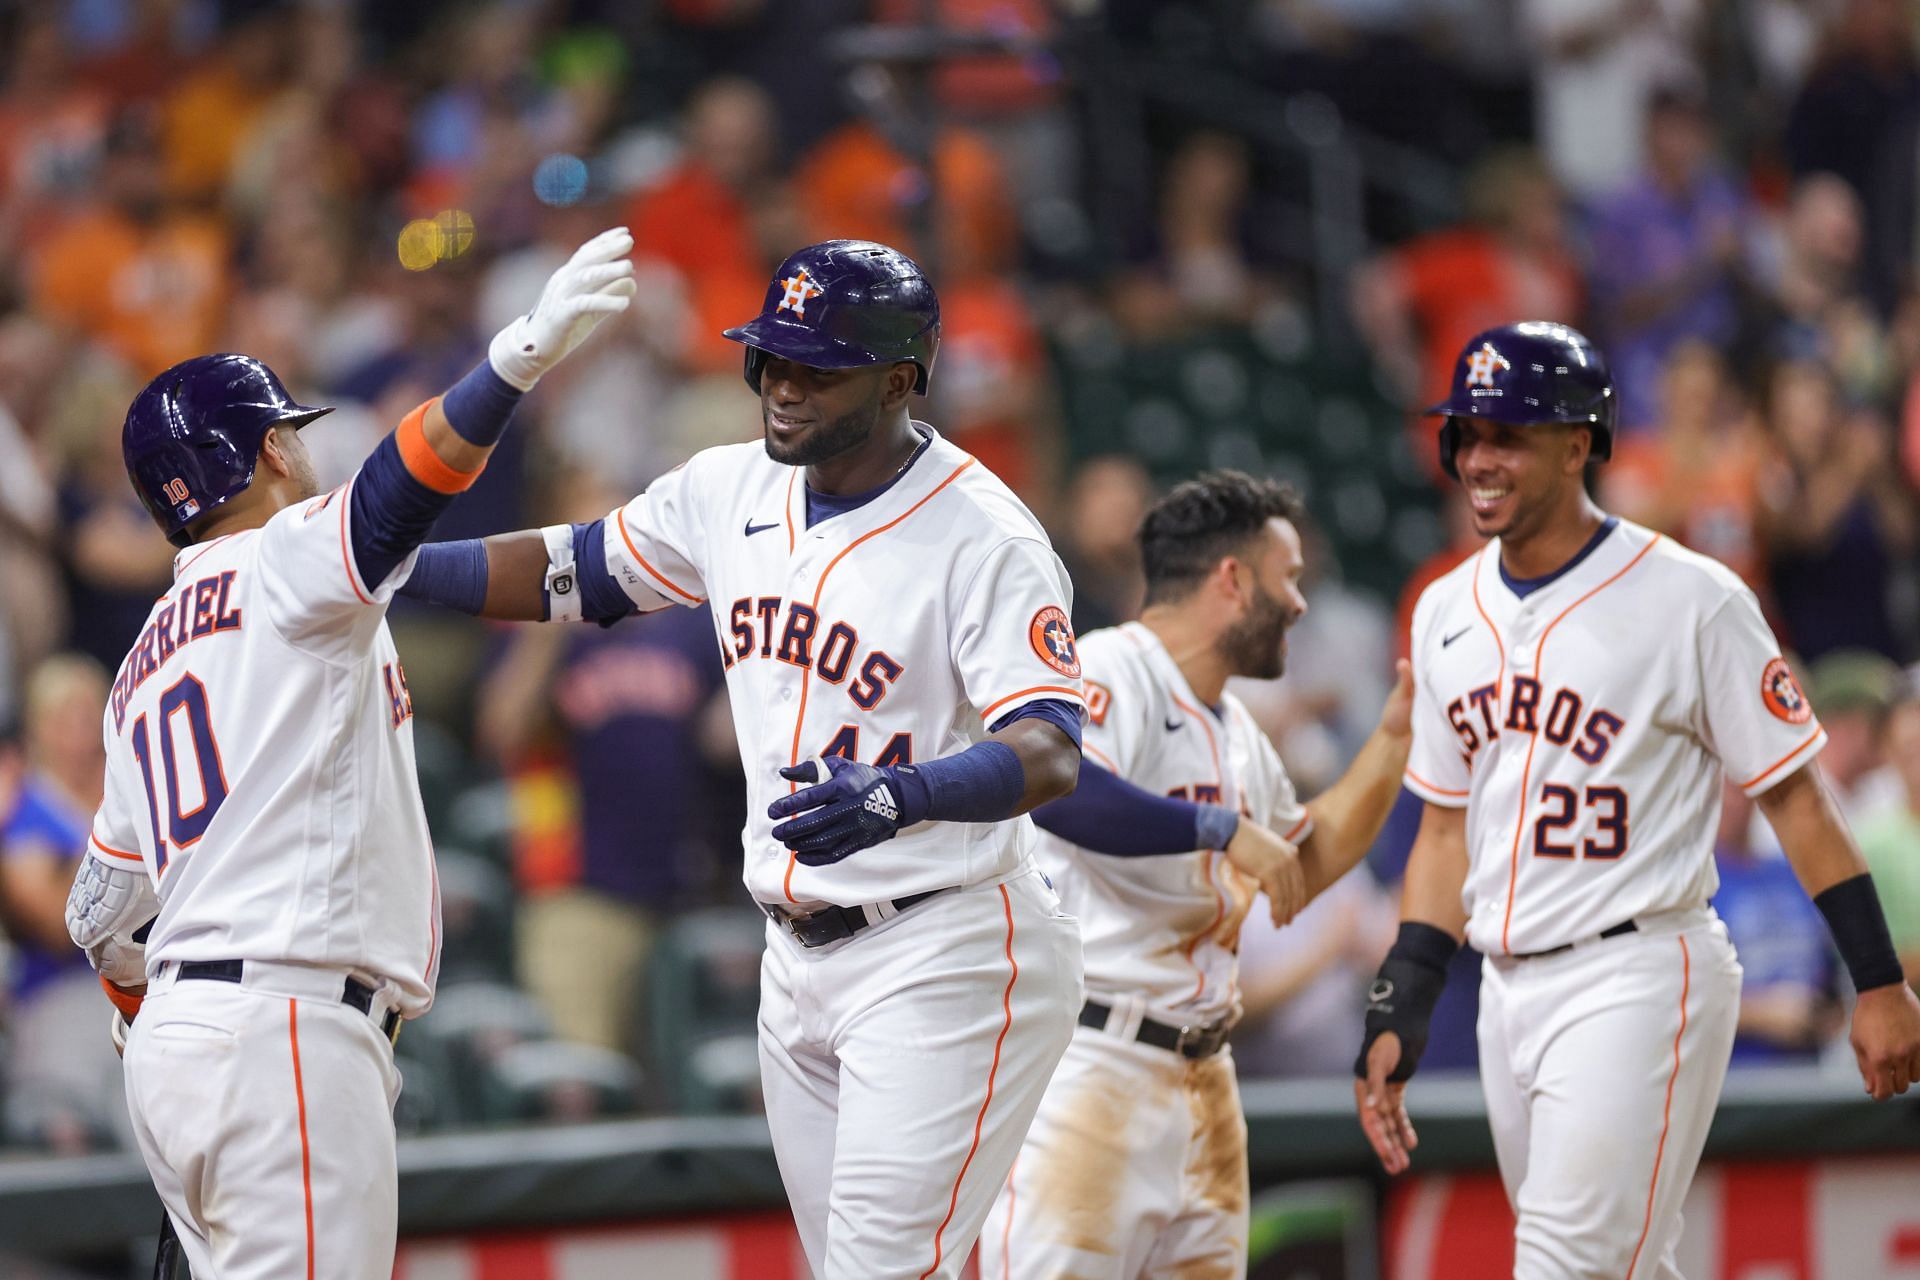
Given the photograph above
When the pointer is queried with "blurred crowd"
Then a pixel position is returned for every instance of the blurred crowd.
(1724, 197)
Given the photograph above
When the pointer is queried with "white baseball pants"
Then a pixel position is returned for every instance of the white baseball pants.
(1602, 1067)
(902, 1067)
(265, 1113)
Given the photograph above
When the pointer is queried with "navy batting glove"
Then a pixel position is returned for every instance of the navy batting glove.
(850, 807)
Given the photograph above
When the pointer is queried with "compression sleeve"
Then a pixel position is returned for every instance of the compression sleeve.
(1107, 814)
(1055, 711)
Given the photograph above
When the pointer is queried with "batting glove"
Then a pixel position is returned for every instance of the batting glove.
(596, 282)
(851, 807)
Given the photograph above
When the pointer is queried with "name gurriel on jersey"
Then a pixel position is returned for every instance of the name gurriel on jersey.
(876, 672)
(200, 611)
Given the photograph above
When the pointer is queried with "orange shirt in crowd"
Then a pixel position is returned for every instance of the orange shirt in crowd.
(695, 224)
(155, 294)
(1713, 508)
(987, 375)
(854, 184)
(203, 124)
(1462, 281)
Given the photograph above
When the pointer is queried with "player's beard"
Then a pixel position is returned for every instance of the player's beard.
(1256, 645)
(828, 440)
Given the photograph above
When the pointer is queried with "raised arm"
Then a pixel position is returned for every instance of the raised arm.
(440, 448)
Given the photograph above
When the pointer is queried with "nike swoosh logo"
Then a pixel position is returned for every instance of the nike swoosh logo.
(1172, 725)
(753, 528)
(1455, 636)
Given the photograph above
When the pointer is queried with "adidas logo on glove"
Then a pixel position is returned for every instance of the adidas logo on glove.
(881, 801)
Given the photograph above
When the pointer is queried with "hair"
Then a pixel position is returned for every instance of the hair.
(1186, 533)
(51, 682)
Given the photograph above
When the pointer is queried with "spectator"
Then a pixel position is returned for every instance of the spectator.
(1818, 312)
(1697, 477)
(1418, 303)
(135, 271)
(51, 126)
(628, 720)
(112, 565)
(1595, 63)
(1107, 497)
(1835, 518)
(1203, 247)
(209, 115)
(62, 1074)
(857, 183)
(1856, 116)
(1668, 252)
(1788, 1008)
(697, 220)
(1891, 839)
(1852, 692)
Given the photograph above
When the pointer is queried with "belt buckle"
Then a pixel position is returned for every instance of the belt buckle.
(1186, 1037)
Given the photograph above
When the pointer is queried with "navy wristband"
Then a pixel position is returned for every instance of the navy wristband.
(1859, 929)
(479, 406)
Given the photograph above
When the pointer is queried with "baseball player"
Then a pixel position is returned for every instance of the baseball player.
(1583, 683)
(904, 682)
(1137, 1162)
(260, 862)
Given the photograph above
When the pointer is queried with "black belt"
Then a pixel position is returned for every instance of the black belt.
(1188, 1042)
(830, 924)
(1626, 926)
(357, 994)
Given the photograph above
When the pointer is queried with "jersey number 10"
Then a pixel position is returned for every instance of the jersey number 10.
(189, 696)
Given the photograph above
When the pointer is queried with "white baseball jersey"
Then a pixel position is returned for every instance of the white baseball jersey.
(895, 632)
(1146, 923)
(1585, 725)
(260, 761)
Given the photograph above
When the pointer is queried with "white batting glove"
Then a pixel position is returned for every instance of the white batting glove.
(596, 282)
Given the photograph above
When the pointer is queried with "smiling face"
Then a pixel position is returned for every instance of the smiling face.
(814, 415)
(1519, 478)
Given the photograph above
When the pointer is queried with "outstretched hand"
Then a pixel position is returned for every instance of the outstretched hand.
(596, 282)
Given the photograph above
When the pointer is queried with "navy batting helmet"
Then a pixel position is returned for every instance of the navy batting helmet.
(845, 304)
(1530, 373)
(193, 435)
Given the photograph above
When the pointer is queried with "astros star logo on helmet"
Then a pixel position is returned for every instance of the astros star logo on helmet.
(799, 289)
(1482, 365)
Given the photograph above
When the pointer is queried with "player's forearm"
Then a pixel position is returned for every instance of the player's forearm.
(1437, 872)
(1830, 867)
(1812, 833)
(1049, 761)
(513, 577)
(413, 475)
(1347, 816)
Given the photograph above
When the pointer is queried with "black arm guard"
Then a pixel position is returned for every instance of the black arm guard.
(1402, 997)
(1859, 929)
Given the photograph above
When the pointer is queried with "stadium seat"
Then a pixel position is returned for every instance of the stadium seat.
(703, 1003)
